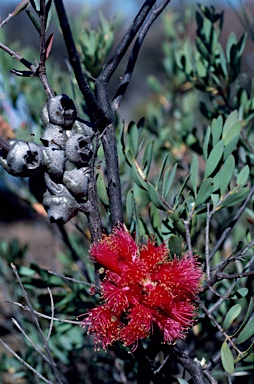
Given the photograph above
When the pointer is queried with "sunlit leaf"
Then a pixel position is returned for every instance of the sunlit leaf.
(236, 197)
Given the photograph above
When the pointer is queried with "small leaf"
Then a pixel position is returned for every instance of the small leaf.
(240, 293)
(227, 358)
(49, 44)
(246, 333)
(230, 121)
(48, 13)
(182, 381)
(231, 315)
(147, 157)
(216, 129)
(20, 7)
(133, 137)
(194, 173)
(234, 130)
(102, 190)
(231, 146)
(26, 271)
(168, 180)
(243, 176)
(204, 191)
(162, 167)
(227, 173)
(130, 203)
(236, 197)
(214, 158)
(156, 200)
(138, 178)
(34, 20)
(206, 142)
(36, 5)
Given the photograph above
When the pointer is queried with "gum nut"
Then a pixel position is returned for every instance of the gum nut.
(76, 181)
(60, 208)
(24, 159)
(54, 159)
(79, 149)
(44, 115)
(62, 111)
(84, 129)
(54, 134)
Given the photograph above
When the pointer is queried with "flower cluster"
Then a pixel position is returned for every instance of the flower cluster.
(142, 289)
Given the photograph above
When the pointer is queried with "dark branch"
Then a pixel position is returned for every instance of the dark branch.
(193, 367)
(134, 55)
(76, 65)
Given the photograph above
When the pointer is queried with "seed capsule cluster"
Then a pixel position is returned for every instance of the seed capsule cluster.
(58, 169)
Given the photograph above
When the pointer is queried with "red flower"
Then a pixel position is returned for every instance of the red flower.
(142, 289)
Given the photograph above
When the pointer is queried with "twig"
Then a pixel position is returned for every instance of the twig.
(230, 226)
(26, 308)
(31, 310)
(162, 365)
(134, 55)
(24, 362)
(212, 318)
(15, 322)
(194, 368)
(52, 315)
(207, 230)
(86, 91)
(70, 278)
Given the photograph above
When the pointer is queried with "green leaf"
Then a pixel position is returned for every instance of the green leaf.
(231, 41)
(246, 333)
(214, 158)
(194, 173)
(236, 197)
(204, 191)
(26, 271)
(138, 178)
(155, 198)
(162, 167)
(227, 173)
(48, 12)
(243, 176)
(147, 157)
(20, 7)
(130, 203)
(230, 121)
(231, 146)
(102, 190)
(234, 131)
(231, 315)
(216, 129)
(168, 180)
(36, 5)
(206, 142)
(133, 138)
(182, 381)
(249, 358)
(34, 20)
(227, 358)
(240, 293)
